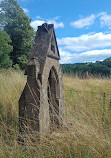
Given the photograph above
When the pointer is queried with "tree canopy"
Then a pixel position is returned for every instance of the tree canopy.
(5, 49)
(17, 25)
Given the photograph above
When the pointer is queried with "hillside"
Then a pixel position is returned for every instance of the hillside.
(82, 70)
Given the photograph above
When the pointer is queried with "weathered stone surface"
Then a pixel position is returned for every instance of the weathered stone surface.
(41, 105)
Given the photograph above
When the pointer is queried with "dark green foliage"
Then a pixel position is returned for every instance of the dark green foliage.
(22, 61)
(5, 49)
(17, 25)
(83, 70)
(2, 19)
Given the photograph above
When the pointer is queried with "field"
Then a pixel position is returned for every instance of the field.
(87, 120)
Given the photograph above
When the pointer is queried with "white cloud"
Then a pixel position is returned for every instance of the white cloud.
(85, 22)
(56, 24)
(87, 47)
(86, 42)
(36, 23)
(25, 10)
(92, 55)
(95, 54)
(54, 21)
(105, 19)
(66, 57)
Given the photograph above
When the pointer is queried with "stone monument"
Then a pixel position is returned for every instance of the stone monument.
(41, 105)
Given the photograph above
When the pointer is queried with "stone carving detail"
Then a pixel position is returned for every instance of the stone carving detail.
(41, 105)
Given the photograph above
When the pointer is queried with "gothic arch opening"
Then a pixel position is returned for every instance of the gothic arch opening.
(53, 92)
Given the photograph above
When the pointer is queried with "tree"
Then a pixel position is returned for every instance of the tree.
(18, 27)
(2, 19)
(5, 49)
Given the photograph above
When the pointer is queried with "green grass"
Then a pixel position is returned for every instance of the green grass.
(87, 121)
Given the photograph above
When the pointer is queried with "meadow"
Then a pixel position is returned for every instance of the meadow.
(87, 120)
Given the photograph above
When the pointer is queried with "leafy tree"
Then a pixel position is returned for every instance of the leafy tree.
(18, 27)
(2, 19)
(5, 49)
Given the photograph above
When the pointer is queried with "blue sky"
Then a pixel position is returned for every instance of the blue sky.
(83, 27)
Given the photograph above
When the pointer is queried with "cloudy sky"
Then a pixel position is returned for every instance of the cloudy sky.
(83, 27)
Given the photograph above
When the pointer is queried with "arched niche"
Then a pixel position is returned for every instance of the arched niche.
(53, 93)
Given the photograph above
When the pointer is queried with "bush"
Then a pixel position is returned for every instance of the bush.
(16, 67)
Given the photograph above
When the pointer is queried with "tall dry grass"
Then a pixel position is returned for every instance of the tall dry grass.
(87, 121)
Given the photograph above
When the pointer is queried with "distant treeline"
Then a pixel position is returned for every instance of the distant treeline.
(84, 70)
